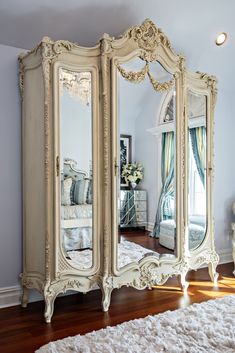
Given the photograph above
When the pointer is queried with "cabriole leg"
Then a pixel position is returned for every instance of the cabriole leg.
(212, 271)
(184, 283)
(106, 297)
(49, 298)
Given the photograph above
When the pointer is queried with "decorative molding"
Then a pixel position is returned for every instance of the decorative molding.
(49, 51)
(148, 36)
(210, 80)
(158, 86)
(139, 76)
(208, 256)
(105, 282)
(149, 276)
(10, 296)
(32, 281)
(21, 78)
(134, 77)
(62, 266)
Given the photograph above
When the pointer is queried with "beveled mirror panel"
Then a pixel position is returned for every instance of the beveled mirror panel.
(76, 167)
(146, 155)
(197, 168)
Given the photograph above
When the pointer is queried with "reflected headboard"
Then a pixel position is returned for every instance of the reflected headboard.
(70, 170)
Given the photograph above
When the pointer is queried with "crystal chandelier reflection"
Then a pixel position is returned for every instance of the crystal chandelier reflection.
(77, 84)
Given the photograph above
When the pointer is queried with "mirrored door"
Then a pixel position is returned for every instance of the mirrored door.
(146, 116)
(197, 168)
(76, 167)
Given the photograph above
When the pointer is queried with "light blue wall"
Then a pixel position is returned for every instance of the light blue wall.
(10, 175)
(76, 131)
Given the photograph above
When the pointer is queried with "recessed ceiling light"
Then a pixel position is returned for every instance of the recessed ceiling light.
(221, 38)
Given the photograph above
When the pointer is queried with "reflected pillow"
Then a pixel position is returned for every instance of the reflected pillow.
(89, 192)
(80, 191)
(65, 191)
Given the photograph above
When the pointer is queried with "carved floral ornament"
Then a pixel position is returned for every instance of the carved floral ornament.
(148, 36)
(139, 76)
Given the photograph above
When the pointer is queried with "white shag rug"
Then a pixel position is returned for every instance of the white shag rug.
(208, 327)
(128, 252)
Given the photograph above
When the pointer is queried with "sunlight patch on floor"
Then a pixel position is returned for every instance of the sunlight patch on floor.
(214, 294)
(227, 280)
(207, 284)
(168, 288)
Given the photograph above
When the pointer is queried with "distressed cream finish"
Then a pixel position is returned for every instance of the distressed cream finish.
(150, 44)
(45, 267)
(204, 84)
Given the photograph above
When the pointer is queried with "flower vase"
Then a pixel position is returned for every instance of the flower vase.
(133, 185)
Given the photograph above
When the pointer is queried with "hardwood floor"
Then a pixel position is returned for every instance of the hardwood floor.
(142, 238)
(23, 330)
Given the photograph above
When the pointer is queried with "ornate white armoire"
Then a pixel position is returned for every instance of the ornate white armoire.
(76, 102)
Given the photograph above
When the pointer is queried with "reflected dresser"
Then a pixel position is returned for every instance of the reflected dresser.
(133, 208)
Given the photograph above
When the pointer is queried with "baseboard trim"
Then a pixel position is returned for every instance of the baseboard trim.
(150, 226)
(10, 296)
(225, 256)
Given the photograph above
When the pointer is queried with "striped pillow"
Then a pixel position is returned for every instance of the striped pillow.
(89, 192)
(65, 191)
(80, 191)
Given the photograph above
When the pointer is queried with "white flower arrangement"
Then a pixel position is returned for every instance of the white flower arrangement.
(133, 172)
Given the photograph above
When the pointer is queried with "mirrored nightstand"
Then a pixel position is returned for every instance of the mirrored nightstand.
(133, 208)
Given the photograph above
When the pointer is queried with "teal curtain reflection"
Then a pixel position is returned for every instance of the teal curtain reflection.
(198, 140)
(166, 199)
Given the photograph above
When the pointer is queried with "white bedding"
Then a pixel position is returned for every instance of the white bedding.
(77, 238)
(76, 226)
(76, 211)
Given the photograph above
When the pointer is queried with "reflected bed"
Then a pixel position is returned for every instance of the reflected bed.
(76, 219)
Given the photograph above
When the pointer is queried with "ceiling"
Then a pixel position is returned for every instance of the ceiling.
(190, 25)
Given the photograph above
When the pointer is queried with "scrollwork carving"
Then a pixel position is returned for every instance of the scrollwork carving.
(106, 44)
(182, 266)
(150, 275)
(209, 256)
(211, 81)
(21, 78)
(148, 36)
(149, 56)
(31, 282)
(51, 49)
(181, 63)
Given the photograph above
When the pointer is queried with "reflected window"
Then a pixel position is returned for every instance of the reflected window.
(197, 204)
(197, 168)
